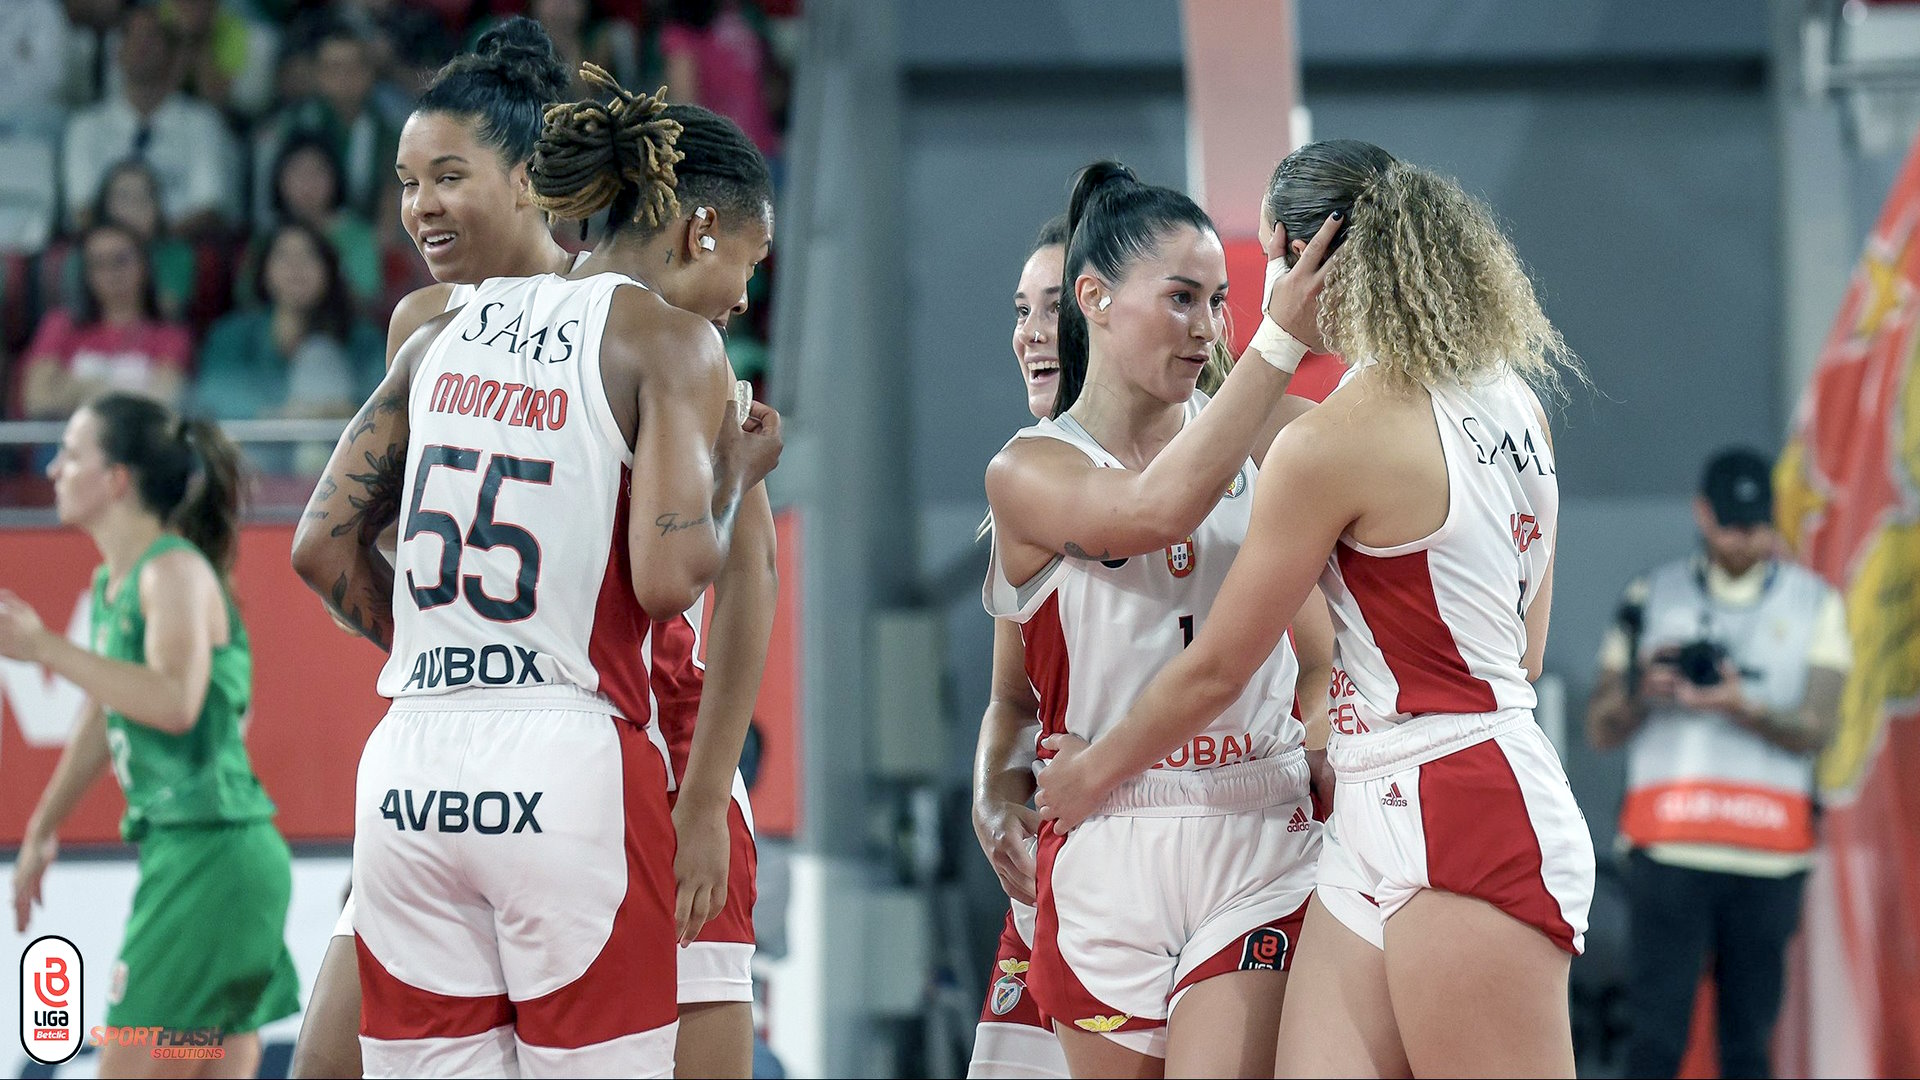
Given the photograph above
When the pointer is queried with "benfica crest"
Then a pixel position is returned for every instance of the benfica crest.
(1006, 994)
(1181, 557)
(1239, 485)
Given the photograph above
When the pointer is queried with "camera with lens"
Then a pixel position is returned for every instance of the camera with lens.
(1699, 661)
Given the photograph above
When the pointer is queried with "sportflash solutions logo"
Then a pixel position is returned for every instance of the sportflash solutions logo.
(51, 989)
(178, 1044)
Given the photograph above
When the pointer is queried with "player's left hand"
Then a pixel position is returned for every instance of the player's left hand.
(699, 866)
(20, 627)
(1069, 791)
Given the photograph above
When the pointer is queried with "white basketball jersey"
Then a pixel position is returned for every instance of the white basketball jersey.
(1439, 625)
(1097, 632)
(462, 292)
(512, 582)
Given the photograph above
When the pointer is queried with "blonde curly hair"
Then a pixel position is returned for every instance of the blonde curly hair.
(1426, 285)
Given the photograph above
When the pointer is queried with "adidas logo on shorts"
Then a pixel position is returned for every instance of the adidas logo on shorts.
(1393, 796)
(1300, 821)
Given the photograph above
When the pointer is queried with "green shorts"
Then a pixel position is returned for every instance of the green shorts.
(206, 943)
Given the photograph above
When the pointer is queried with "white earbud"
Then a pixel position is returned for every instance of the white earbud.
(1105, 303)
(706, 243)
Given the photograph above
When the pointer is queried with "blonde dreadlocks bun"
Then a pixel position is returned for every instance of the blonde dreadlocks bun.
(590, 153)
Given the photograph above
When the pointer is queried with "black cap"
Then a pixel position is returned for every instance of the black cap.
(1738, 484)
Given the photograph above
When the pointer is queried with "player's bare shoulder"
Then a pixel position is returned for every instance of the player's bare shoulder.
(659, 339)
(650, 347)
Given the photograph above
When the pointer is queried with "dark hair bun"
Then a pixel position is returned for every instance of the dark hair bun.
(1089, 182)
(521, 55)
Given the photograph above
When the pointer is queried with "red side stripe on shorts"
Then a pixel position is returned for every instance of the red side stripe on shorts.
(1229, 959)
(391, 1009)
(1007, 984)
(632, 985)
(1056, 989)
(1395, 594)
(1048, 667)
(1480, 841)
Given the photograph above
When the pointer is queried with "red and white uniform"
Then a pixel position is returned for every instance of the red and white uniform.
(1445, 781)
(1014, 1040)
(513, 854)
(718, 966)
(1142, 901)
(457, 296)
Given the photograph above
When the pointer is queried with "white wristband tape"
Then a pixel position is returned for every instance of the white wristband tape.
(1277, 347)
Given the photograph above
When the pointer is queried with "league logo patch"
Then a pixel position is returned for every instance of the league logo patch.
(1182, 556)
(1006, 994)
(1266, 950)
(1239, 485)
(51, 992)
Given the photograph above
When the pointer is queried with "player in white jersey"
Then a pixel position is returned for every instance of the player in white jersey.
(1114, 522)
(1422, 496)
(1012, 1038)
(462, 160)
(513, 853)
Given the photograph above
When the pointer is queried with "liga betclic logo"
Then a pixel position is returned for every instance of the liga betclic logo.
(51, 990)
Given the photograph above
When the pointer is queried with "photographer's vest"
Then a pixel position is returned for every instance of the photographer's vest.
(1697, 778)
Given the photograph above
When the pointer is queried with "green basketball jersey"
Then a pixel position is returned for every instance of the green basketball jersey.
(201, 777)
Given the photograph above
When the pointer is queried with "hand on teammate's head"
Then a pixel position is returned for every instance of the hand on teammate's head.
(1293, 301)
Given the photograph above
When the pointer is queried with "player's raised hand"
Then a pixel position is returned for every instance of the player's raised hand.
(1293, 300)
(751, 447)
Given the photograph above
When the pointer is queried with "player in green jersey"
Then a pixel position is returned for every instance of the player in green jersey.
(169, 680)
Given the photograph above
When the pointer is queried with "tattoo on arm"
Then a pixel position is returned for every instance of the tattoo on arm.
(671, 523)
(368, 619)
(379, 507)
(1075, 551)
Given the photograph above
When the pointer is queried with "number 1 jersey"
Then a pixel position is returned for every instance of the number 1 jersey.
(512, 580)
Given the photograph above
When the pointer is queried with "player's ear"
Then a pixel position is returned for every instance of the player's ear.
(702, 233)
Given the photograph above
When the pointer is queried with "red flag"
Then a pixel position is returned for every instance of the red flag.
(1849, 505)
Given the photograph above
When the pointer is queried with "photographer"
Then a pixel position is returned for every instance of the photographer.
(1722, 677)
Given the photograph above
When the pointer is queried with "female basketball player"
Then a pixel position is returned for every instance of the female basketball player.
(1101, 516)
(648, 383)
(1421, 494)
(467, 205)
(1012, 1039)
(169, 680)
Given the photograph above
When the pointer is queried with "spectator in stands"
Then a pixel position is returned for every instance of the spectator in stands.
(307, 188)
(303, 351)
(130, 197)
(113, 339)
(341, 112)
(33, 39)
(614, 44)
(227, 59)
(185, 141)
(715, 58)
(92, 27)
(410, 40)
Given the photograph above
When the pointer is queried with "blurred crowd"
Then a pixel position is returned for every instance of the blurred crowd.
(197, 197)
